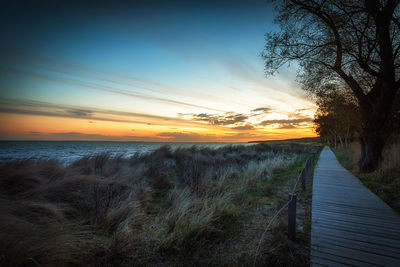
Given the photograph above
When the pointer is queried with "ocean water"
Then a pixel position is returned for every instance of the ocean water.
(69, 151)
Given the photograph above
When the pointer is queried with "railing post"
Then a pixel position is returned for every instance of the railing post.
(292, 217)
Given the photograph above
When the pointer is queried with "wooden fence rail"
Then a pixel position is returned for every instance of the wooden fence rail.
(306, 174)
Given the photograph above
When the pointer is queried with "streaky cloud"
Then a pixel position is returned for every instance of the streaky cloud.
(31, 107)
(265, 110)
(247, 126)
(287, 123)
(228, 118)
(99, 87)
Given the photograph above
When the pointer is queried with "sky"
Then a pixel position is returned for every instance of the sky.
(175, 71)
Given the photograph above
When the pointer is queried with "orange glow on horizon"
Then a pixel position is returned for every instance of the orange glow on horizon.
(38, 127)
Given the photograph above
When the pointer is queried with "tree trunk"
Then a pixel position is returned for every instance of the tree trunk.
(335, 141)
(341, 141)
(346, 140)
(374, 129)
(371, 151)
(373, 136)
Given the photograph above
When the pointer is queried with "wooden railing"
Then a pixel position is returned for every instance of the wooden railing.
(305, 174)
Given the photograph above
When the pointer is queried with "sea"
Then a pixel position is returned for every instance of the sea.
(68, 151)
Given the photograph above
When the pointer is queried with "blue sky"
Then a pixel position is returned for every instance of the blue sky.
(171, 59)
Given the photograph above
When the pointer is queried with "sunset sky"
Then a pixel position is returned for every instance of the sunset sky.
(147, 71)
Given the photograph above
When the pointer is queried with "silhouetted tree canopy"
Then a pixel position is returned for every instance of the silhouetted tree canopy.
(337, 117)
(349, 44)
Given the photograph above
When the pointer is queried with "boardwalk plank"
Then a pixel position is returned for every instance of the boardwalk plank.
(317, 256)
(321, 230)
(350, 225)
(355, 254)
(371, 230)
(356, 219)
(364, 246)
(317, 261)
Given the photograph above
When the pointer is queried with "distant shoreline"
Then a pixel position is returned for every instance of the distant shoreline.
(68, 151)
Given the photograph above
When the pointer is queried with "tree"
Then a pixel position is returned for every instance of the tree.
(351, 44)
(336, 118)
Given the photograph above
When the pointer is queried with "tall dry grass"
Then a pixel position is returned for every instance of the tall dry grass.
(390, 163)
(391, 159)
(103, 211)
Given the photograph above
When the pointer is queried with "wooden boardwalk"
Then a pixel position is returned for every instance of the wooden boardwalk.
(350, 225)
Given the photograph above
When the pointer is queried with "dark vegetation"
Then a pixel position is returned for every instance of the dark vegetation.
(185, 207)
(337, 118)
(348, 51)
(385, 182)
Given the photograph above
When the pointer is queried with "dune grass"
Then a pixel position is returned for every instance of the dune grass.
(385, 182)
(188, 206)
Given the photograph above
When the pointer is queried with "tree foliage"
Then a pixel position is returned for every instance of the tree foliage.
(348, 44)
(337, 117)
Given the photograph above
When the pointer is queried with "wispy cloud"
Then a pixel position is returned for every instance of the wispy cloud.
(76, 81)
(228, 118)
(264, 110)
(80, 112)
(237, 121)
(287, 123)
(255, 119)
(245, 127)
(30, 107)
